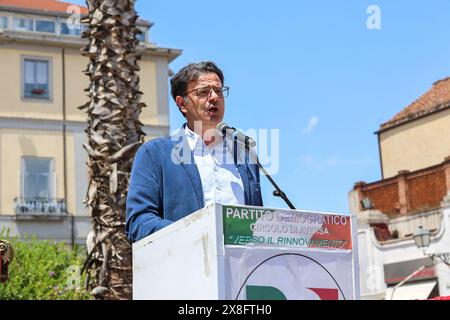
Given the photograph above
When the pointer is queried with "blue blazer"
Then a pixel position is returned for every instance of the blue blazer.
(165, 185)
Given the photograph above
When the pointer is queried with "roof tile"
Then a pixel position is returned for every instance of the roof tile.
(438, 97)
(44, 5)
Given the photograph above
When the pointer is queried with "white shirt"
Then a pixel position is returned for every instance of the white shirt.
(221, 181)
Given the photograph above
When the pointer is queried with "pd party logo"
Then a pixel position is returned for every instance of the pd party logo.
(294, 276)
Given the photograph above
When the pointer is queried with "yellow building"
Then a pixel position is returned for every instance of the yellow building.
(43, 176)
(411, 202)
(419, 136)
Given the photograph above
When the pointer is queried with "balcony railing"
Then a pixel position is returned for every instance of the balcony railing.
(40, 206)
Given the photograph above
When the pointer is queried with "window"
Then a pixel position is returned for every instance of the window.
(141, 36)
(36, 82)
(37, 195)
(23, 24)
(3, 22)
(71, 29)
(37, 178)
(45, 26)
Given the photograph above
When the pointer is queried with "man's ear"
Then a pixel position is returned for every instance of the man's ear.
(181, 103)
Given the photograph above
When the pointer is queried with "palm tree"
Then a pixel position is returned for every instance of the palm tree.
(114, 134)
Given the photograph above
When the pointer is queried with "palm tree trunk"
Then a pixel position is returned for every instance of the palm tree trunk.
(114, 134)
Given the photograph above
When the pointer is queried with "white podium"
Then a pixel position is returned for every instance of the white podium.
(242, 252)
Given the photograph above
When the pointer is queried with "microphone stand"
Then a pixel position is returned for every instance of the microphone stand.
(277, 192)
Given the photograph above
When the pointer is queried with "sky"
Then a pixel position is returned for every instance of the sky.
(325, 74)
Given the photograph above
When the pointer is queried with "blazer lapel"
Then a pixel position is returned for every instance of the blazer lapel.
(185, 156)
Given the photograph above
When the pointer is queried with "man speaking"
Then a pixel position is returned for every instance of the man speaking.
(175, 176)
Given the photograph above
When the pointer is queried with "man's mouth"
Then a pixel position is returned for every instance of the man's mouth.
(212, 109)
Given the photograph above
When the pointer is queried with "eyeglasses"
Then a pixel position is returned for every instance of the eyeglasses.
(204, 92)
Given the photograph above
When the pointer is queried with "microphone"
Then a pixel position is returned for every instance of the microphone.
(235, 134)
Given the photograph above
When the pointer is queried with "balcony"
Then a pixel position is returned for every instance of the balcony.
(40, 207)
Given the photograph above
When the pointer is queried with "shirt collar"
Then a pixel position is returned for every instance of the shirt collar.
(196, 142)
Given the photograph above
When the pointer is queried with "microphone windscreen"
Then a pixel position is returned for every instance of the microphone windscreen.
(222, 127)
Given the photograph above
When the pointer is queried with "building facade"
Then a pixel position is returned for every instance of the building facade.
(414, 192)
(43, 172)
(418, 136)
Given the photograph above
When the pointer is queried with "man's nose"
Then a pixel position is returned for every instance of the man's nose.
(213, 95)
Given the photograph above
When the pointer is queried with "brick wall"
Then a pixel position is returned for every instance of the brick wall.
(408, 192)
(384, 197)
(426, 191)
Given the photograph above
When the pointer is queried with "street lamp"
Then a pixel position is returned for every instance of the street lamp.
(422, 238)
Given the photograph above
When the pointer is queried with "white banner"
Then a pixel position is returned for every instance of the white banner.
(255, 273)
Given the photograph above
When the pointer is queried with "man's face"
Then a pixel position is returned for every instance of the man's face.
(204, 102)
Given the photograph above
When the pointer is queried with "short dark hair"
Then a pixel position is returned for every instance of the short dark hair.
(191, 72)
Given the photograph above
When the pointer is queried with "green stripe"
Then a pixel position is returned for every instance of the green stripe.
(236, 223)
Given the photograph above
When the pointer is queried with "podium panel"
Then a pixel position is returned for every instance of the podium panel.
(243, 252)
